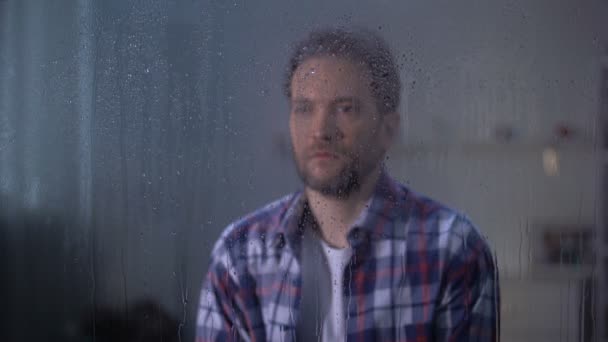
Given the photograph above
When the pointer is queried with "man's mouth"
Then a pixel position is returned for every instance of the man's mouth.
(324, 155)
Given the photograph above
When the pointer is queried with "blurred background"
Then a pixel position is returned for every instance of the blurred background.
(133, 132)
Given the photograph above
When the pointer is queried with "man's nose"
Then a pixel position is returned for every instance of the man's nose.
(325, 126)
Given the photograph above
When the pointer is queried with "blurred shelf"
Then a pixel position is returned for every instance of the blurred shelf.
(481, 148)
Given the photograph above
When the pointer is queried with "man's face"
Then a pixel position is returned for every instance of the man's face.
(338, 136)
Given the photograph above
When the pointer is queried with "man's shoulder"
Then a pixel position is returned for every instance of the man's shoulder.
(431, 226)
(260, 223)
(426, 215)
(416, 206)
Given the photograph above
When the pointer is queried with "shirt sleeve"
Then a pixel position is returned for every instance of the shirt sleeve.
(221, 316)
(469, 307)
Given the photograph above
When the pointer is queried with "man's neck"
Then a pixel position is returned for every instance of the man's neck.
(336, 215)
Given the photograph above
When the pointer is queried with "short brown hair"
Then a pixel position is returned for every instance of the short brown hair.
(361, 46)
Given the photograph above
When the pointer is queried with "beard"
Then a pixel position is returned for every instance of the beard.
(347, 181)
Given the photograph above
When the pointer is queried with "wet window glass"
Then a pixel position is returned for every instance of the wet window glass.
(382, 170)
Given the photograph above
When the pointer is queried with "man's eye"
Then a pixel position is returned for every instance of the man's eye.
(301, 108)
(345, 108)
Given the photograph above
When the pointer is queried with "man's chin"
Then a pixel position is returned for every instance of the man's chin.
(320, 183)
(331, 186)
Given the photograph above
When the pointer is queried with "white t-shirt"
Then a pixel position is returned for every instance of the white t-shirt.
(322, 307)
(334, 327)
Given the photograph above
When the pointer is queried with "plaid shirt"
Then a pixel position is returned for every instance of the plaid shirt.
(419, 272)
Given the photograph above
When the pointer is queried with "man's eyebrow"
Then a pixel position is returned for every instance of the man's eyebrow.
(346, 99)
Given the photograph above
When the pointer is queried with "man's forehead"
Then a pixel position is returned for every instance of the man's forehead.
(329, 75)
(329, 67)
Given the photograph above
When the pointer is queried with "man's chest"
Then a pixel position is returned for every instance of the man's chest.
(390, 293)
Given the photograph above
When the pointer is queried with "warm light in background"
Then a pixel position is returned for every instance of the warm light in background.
(550, 161)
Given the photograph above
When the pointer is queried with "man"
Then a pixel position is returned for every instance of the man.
(354, 255)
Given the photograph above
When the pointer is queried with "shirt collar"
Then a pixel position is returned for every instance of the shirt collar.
(376, 221)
